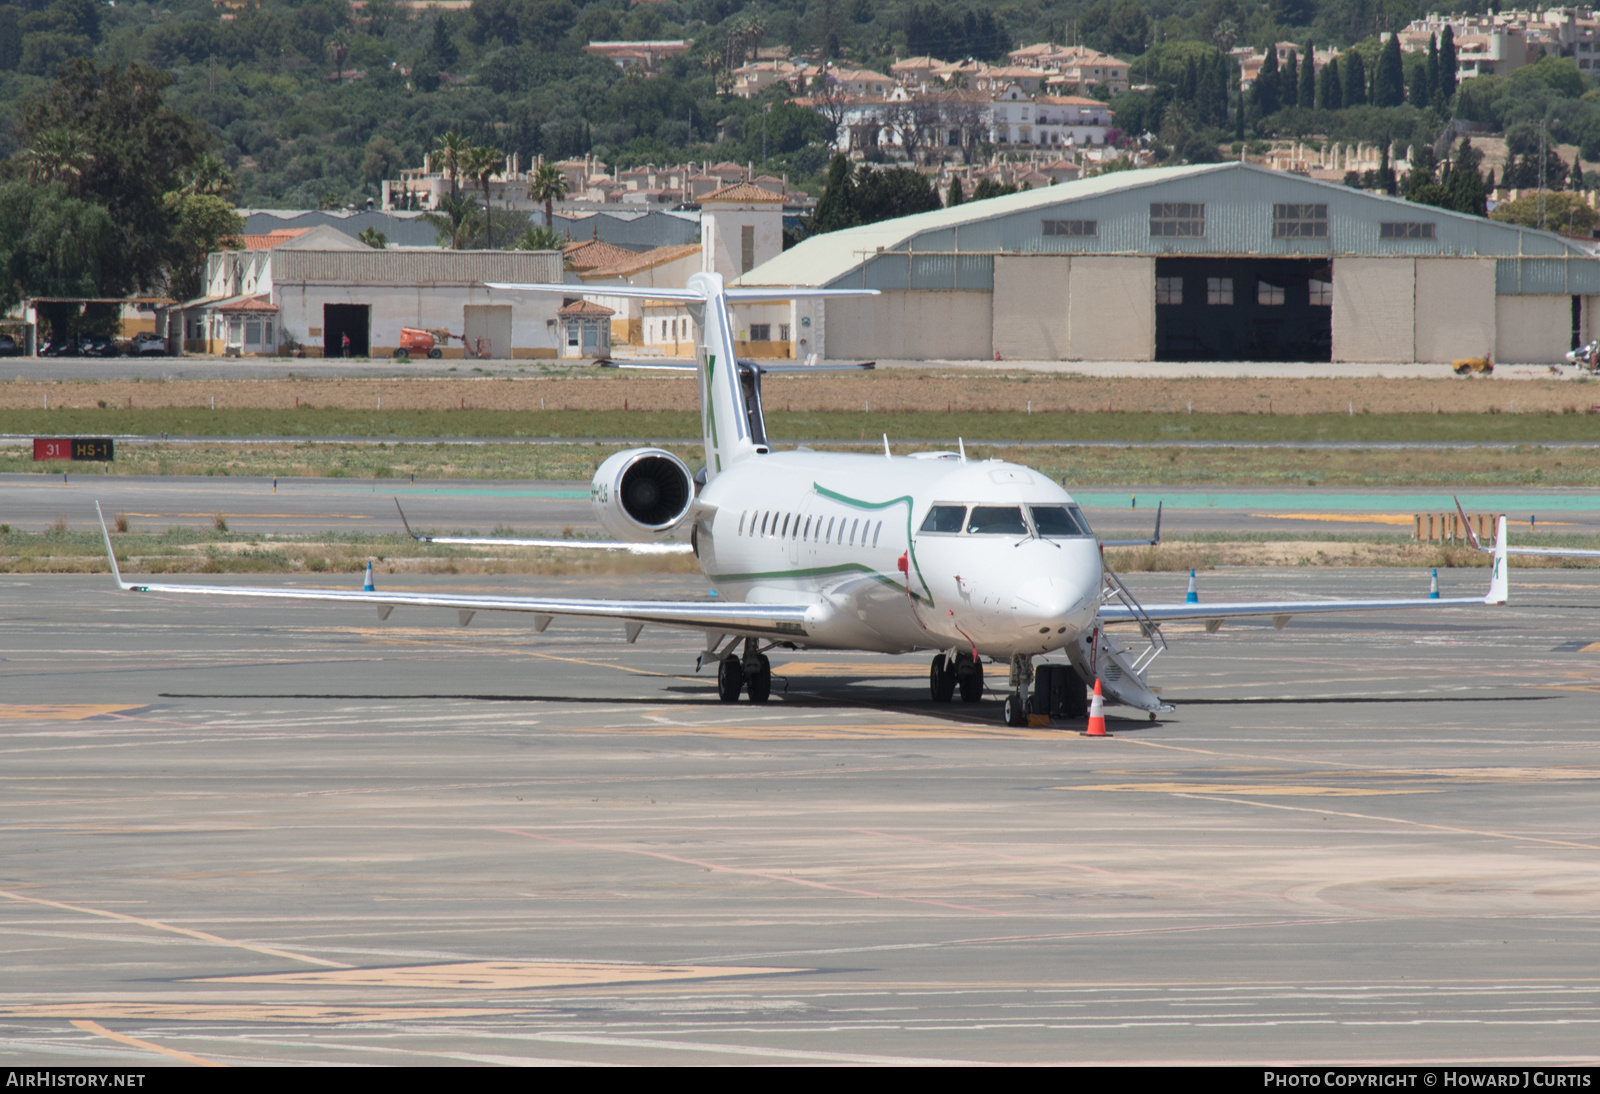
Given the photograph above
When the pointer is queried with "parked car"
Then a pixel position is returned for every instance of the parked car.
(9, 346)
(148, 344)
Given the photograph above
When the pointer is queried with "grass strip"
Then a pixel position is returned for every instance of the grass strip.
(842, 426)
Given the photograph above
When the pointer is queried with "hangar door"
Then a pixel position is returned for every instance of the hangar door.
(342, 320)
(488, 329)
(1244, 309)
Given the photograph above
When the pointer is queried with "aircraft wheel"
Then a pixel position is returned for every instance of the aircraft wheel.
(1016, 709)
(971, 682)
(942, 680)
(1077, 704)
(730, 679)
(759, 684)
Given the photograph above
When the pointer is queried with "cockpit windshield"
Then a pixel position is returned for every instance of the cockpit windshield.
(1054, 521)
(996, 520)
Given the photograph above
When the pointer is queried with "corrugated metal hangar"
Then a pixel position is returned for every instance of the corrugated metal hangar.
(1219, 262)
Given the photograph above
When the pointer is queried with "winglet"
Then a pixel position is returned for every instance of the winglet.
(1499, 578)
(1467, 524)
(1155, 540)
(111, 555)
(407, 523)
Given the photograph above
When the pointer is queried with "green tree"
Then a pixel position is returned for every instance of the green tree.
(1388, 81)
(138, 149)
(1330, 87)
(1306, 93)
(836, 207)
(1563, 212)
(537, 238)
(51, 243)
(956, 194)
(201, 224)
(374, 239)
(449, 158)
(1266, 85)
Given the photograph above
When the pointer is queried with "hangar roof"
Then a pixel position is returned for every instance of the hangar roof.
(954, 248)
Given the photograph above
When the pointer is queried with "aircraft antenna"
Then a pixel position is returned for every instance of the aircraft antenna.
(887, 454)
(962, 445)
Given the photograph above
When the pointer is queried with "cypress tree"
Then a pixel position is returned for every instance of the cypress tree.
(836, 208)
(1221, 70)
(1306, 93)
(1433, 69)
(1235, 79)
(1290, 80)
(1447, 64)
(956, 195)
(1330, 89)
(1388, 82)
(1267, 83)
(1420, 93)
(1355, 80)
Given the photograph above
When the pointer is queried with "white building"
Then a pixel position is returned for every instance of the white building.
(288, 300)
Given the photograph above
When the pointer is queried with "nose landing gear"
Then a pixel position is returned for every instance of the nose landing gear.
(1016, 708)
(751, 674)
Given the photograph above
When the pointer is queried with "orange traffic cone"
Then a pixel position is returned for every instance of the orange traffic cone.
(1097, 713)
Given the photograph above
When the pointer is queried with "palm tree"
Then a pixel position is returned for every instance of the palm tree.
(55, 156)
(208, 175)
(457, 221)
(482, 163)
(447, 157)
(549, 186)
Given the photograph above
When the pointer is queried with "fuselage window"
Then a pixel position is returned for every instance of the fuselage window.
(1083, 521)
(741, 523)
(830, 528)
(807, 533)
(996, 520)
(944, 518)
(854, 525)
(876, 532)
(785, 531)
(763, 523)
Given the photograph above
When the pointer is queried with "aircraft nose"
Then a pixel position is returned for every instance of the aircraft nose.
(1057, 600)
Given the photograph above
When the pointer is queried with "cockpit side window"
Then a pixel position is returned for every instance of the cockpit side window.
(1056, 521)
(996, 520)
(944, 518)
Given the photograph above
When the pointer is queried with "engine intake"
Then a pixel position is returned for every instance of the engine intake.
(642, 494)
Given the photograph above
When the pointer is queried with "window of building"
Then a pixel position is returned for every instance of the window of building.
(783, 332)
(1321, 293)
(1269, 296)
(747, 248)
(1406, 229)
(1299, 222)
(1219, 290)
(1177, 219)
(1169, 290)
(760, 332)
(1078, 228)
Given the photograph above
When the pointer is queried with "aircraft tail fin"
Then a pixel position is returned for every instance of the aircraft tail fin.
(1499, 576)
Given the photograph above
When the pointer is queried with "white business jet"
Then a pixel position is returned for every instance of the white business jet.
(977, 561)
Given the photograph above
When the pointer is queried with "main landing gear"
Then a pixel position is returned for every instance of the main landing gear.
(947, 674)
(1057, 691)
(752, 674)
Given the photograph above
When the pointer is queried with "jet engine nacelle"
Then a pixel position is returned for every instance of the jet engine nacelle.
(642, 494)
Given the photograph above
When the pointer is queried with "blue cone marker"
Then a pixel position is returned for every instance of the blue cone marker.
(1433, 586)
(1191, 597)
(367, 588)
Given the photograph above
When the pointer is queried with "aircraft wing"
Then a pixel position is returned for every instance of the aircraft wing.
(564, 544)
(1281, 610)
(762, 620)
